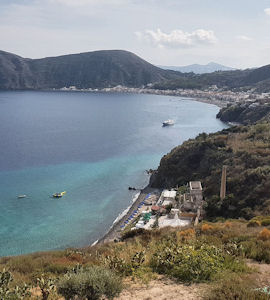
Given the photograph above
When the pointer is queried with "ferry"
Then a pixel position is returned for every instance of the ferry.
(168, 123)
(59, 195)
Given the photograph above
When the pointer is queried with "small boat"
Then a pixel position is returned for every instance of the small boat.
(168, 123)
(21, 196)
(59, 195)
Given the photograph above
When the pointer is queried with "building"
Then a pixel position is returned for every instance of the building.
(167, 198)
(195, 188)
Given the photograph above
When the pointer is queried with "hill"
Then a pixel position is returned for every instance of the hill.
(256, 79)
(244, 149)
(199, 69)
(96, 69)
(245, 113)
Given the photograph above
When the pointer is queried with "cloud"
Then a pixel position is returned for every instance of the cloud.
(244, 38)
(77, 3)
(178, 38)
(267, 11)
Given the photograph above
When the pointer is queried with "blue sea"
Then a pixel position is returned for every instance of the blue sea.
(91, 145)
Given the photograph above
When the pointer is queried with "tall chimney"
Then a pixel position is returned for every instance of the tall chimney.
(223, 183)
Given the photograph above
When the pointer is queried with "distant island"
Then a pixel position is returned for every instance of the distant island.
(198, 68)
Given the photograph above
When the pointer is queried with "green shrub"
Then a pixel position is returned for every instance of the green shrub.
(56, 269)
(234, 288)
(11, 293)
(254, 223)
(265, 222)
(187, 263)
(93, 283)
(257, 250)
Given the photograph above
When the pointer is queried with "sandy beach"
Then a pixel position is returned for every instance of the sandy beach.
(115, 231)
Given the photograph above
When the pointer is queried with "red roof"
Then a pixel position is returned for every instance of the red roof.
(154, 207)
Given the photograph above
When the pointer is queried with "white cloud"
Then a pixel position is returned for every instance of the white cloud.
(267, 11)
(75, 3)
(244, 38)
(177, 38)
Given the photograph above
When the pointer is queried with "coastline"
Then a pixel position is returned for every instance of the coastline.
(175, 93)
(114, 231)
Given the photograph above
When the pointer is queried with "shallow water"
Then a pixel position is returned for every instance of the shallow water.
(92, 145)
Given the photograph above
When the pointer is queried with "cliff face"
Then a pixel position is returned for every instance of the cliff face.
(97, 69)
(245, 150)
(244, 113)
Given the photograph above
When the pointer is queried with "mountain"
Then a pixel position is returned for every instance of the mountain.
(255, 78)
(96, 69)
(199, 69)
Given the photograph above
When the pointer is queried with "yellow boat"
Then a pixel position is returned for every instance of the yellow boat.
(59, 195)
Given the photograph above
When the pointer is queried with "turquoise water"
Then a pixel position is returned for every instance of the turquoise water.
(91, 145)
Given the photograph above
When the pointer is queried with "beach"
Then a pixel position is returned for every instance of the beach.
(114, 232)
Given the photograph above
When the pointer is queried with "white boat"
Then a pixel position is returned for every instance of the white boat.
(168, 123)
(21, 196)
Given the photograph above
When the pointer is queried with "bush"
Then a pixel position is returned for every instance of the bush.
(254, 223)
(93, 283)
(11, 293)
(235, 288)
(207, 228)
(257, 249)
(186, 234)
(264, 235)
(265, 222)
(187, 263)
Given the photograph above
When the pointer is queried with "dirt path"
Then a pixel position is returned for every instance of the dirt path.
(162, 289)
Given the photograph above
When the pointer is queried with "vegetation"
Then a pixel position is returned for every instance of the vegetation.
(92, 283)
(245, 151)
(208, 253)
(244, 113)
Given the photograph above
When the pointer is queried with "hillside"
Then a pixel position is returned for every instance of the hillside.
(96, 69)
(245, 113)
(199, 69)
(257, 79)
(206, 262)
(245, 150)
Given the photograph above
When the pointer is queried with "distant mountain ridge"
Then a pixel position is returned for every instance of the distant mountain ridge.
(98, 69)
(199, 69)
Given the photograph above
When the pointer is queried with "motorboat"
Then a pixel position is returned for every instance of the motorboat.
(21, 196)
(59, 195)
(168, 123)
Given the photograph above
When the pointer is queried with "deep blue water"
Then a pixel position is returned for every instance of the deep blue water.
(92, 145)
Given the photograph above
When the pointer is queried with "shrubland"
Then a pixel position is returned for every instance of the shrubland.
(205, 254)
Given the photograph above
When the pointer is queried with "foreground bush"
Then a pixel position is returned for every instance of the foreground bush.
(11, 293)
(254, 223)
(187, 263)
(236, 288)
(93, 283)
(258, 250)
(264, 235)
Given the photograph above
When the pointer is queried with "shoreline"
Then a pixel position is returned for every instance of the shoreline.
(193, 97)
(114, 232)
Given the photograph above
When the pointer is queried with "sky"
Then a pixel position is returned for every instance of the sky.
(164, 32)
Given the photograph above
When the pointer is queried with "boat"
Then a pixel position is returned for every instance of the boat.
(59, 195)
(21, 196)
(168, 123)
